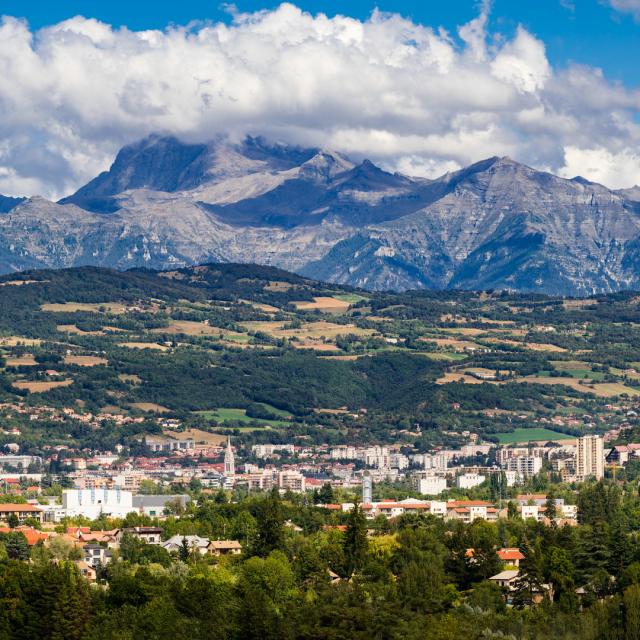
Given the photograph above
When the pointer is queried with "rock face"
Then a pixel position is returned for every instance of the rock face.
(495, 224)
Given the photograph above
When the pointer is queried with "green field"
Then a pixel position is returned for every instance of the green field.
(226, 415)
(525, 435)
(349, 297)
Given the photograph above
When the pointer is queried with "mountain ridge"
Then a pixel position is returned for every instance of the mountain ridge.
(494, 224)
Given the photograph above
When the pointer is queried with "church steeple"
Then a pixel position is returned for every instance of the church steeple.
(229, 460)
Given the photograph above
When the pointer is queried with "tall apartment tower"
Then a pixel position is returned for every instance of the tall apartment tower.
(229, 460)
(367, 488)
(590, 458)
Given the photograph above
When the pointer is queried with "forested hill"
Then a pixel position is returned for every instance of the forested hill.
(220, 344)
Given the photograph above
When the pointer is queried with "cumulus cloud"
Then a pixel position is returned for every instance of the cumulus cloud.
(412, 97)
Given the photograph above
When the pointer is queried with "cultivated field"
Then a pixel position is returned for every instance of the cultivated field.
(40, 386)
(90, 307)
(85, 361)
(323, 303)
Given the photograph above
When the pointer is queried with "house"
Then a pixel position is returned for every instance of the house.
(20, 511)
(174, 544)
(511, 556)
(224, 547)
(150, 535)
(86, 571)
(505, 579)
(32, 535)
(95, 555)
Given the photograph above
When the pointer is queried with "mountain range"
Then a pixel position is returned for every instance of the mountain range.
(495, 224)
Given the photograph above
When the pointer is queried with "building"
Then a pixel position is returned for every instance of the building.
(92, 503)
(224, 548)
(367, 488)
(21, 511)
(150, 535)
(194, 543)
(154, 506)
(20, 462)
(524, 466)
(157, 443)
(291, 481)
(268, 450)
(510, 556)
(229, 460)
(590, 458)
(96, 555)
(506, 579)
(469, 480)
(431, 485)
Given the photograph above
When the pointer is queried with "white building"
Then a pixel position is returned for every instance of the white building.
(377, 457)
(525, 466)
(590, 458)
(431, 485)
(469, 480)
(92, 503)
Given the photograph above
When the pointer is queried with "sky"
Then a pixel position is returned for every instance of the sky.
(418, 87)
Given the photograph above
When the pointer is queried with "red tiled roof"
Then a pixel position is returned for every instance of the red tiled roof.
(510, 554)
(10, 507)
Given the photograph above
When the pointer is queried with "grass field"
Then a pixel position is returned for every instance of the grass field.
(526, 435)
(70, 307)
(225, 415)
(150, 407)
(442, 355)
(603, 390)
(85, 361)
(189, 328)
(144, 345)
(72, 329)
(351, 298)
(23, 361)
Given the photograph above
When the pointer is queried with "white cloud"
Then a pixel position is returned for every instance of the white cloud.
(614, 169)
(626, 6)
(409, 96)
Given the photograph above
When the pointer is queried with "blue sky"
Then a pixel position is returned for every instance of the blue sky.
(584, 31)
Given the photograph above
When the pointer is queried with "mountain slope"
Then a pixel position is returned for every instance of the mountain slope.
(7, 203)
(494, 224)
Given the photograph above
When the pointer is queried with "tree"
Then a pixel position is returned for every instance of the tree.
(530, 577)
(270, 520)
(13, 521)
(325, 495)
(355, 542)
(184, 553)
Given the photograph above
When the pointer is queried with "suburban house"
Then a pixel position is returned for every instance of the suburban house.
(224, 547)
(174, 544)
(150, 535)
(510, 556)
(95, 554)
(86, 570)
(32, 535)
(506, 579)
(21, 511)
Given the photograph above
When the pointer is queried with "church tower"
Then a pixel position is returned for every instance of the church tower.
(229, 460)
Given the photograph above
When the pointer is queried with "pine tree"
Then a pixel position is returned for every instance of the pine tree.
(270, 519)
(530, 578)
(355, 543)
